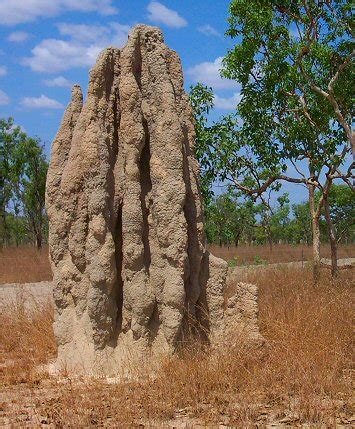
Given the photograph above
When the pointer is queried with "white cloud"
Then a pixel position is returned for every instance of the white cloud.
(59, 81)
(228, 103)
(208, 30)
(18, 36)
(208, 73)
(42, 102)
(83, 32)
(53, 55)
(3, 71)
(4, 98)
(159, 13)
(114, 33)
(80, 50)
(119, 34)
(20, 11)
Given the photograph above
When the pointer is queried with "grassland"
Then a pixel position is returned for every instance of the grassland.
(25, 264)
(245, 255)
(303, 375)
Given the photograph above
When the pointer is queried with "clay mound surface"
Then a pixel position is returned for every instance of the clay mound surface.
(127, 245)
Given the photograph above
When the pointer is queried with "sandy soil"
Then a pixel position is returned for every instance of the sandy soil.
(30, 293)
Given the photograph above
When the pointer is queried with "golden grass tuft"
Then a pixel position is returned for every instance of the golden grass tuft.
(302, 376)
(26, 340)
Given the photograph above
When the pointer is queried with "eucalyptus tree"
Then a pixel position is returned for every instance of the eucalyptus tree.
(32, 190)
(302, 222)
(23, 176)
(11, 137)
(342, 212)
(293, 59)
(229, 219)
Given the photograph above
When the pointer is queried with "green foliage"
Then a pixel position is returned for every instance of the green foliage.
(24, 168)
(222, 152)
(259, 261)
(233, 262)
(288, 52)
(233, 220)
(11, 138)
(342, 212)
(302, 229)
(287, 55)
(293, 60)
(201, 99)
(230, 220)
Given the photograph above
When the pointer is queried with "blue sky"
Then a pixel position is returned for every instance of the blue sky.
(47, 45)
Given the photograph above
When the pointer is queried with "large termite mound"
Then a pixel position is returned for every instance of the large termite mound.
(132, 275)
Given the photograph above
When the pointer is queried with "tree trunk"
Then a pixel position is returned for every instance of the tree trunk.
(332, 238)
(315, 236)
(270, 241)
(4, 238)
(236, 240)
(269, 235)
(37, 233)
(39, 240)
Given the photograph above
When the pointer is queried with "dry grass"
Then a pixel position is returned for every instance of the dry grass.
(245, 254)
(26, 340)
(302, 376)
(24, 264)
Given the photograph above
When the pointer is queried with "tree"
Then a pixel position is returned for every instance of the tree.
(294, 64)
(202, 102)
(229, 220)
(342, 212)
(11, 137)
(302, 223)
(280, 220)
(292, 128)
(24, 169)
(33, 185)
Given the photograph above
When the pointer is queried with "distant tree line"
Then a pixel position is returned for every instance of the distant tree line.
(23, 170)
(232, 219)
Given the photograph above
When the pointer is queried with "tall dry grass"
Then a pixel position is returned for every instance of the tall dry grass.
(26, 340)
(302, 376)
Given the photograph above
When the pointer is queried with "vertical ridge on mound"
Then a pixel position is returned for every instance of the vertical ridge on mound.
(131, 271)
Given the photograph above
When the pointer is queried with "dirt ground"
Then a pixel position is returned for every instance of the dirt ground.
(39, 406)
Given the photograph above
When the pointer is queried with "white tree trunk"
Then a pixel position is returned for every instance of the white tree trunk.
(332, 238)
(315, 235)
